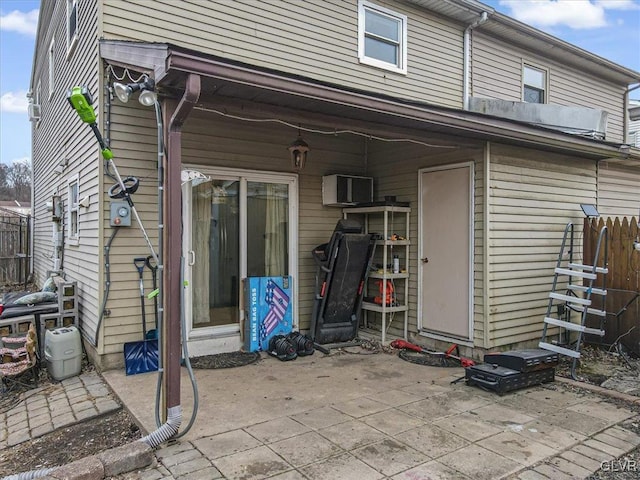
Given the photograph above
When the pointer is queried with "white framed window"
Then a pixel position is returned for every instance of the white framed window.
(51, 67)
(72, 25)
(382, 37)
(534, 84)
(73, 209)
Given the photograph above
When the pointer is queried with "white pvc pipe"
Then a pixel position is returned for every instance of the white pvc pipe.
(466, 59)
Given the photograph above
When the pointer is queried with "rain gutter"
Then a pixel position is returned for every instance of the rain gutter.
(450, 121)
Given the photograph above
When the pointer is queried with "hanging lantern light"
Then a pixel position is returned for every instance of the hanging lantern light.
(299, 150)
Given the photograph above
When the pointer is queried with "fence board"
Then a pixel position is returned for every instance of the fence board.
(623, 259)
(14, 248)
(623, 281)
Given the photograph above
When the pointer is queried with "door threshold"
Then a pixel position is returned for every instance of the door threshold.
(444, 338)
(199, 347)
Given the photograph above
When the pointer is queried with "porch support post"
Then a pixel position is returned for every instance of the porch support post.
(173, 241)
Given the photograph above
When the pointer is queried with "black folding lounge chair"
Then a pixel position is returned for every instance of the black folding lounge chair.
(343, 265)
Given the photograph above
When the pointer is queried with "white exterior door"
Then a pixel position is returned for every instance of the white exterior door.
(446, 252)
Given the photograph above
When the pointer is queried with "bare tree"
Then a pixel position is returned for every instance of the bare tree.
(5, 190)
(15, 181)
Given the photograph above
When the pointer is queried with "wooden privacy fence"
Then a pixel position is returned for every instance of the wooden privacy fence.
(14, 247)
(624, 261)
(622, 322)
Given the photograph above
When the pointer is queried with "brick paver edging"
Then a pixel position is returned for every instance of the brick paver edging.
(600, 390)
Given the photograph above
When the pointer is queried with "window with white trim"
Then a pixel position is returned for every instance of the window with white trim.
(72, 25)
(382, 37)
(534, 84)
(51, 67)
(73, 208)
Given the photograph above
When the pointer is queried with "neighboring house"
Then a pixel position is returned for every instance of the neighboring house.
(509, 128)
(21, 208)
(634, 123)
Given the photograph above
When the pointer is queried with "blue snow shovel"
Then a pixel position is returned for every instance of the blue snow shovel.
(141, 357)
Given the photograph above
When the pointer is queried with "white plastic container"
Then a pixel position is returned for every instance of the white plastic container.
(63, 352)
(396, 264)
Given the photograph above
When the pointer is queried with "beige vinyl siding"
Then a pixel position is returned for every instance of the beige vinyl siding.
(134, 144)
(618, 190)
(275, 33)
(497, 73)
(210, 139)
(394, 167)
(60, 134)
(533, 197)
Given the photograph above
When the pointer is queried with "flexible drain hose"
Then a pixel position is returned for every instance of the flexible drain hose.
(107, 288)
(166, 431)
(187, 361)
(30, 475)
(154, 439)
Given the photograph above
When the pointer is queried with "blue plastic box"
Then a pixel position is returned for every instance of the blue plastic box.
(268, 310)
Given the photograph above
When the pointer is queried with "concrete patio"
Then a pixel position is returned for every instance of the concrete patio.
(375, 416)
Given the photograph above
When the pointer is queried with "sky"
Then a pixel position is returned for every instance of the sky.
(608, 28)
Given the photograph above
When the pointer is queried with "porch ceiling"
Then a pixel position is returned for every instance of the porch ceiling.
(228, 81)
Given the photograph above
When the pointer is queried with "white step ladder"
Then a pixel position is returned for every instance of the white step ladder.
(577, 298)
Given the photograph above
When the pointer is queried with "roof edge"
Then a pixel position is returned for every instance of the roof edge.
(181, 61)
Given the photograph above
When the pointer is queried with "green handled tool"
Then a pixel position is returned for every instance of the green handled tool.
(81, 101)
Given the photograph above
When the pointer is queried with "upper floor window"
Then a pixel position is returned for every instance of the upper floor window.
(534, 84)
(382, 37)
(73, 207)
(72, 25)
(51, 67)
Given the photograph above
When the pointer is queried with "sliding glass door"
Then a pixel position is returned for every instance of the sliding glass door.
(215, 244)
(238, 224)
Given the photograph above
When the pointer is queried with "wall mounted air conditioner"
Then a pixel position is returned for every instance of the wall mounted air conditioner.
(346, 190)
(34, 112)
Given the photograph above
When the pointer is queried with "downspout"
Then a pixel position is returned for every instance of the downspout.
(625, 116)
(172, 263)
(466, 66)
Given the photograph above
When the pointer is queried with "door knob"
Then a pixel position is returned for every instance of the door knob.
(425, 260)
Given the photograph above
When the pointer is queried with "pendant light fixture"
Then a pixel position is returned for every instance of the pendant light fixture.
(299, 150)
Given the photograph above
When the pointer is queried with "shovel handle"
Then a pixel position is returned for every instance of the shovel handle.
(139, 263)
(150, 263)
